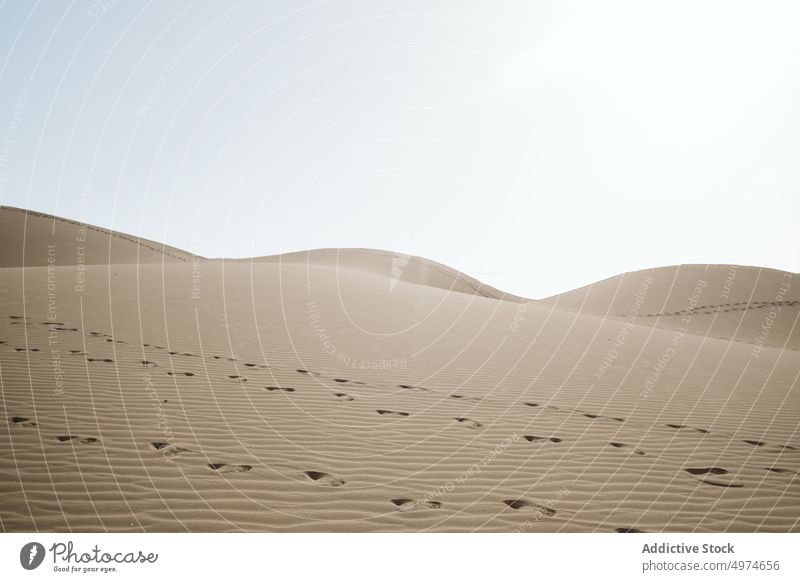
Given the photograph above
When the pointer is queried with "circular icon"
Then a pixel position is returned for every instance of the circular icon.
(31, 555)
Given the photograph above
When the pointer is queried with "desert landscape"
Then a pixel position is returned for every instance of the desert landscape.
(148, 389)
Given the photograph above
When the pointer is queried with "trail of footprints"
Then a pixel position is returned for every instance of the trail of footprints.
(172, 451)
(714, 476)
(721, 308)
(77, 439)
(25, 422)
(464, 421)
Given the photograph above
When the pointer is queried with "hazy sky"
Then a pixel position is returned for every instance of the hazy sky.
(538, 146)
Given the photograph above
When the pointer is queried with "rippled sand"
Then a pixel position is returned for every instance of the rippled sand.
(354, 390)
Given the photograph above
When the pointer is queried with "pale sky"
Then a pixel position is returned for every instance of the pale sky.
(538, 146)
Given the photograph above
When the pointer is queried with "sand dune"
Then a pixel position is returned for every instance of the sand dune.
(352, 390)
(723, 301)
(394, 266)
(29, 239)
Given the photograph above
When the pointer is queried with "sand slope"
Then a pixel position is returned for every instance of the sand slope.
(723, 301)
(394, 266)
(30, 239)
(292, 395)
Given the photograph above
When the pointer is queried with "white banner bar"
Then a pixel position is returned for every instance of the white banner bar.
(387, 557)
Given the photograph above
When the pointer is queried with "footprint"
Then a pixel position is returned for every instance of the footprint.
(411, 387)
(623, 445)
(755, 443)
(324, 479)
(720, 483)
(77, 352)
(468, 422)
(713, 471)
(226, 468)
(169, 449)
(707, 470)
(341, 380)
(81, 440)
(239, 378)
(587, 415)
(273, 388)
(683, 426)
(391, 413)
(22, 421)
(527, 505)
(411, 505)
(531, 404)
(531, 439)
(456, 396)
(628, 530)
(147, 364)
(106, 360)
(26, 349)
(250, 365)
(778, 470)
(343, 396)
(180, 373)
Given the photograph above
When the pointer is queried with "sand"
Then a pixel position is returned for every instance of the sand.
(146, 389)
